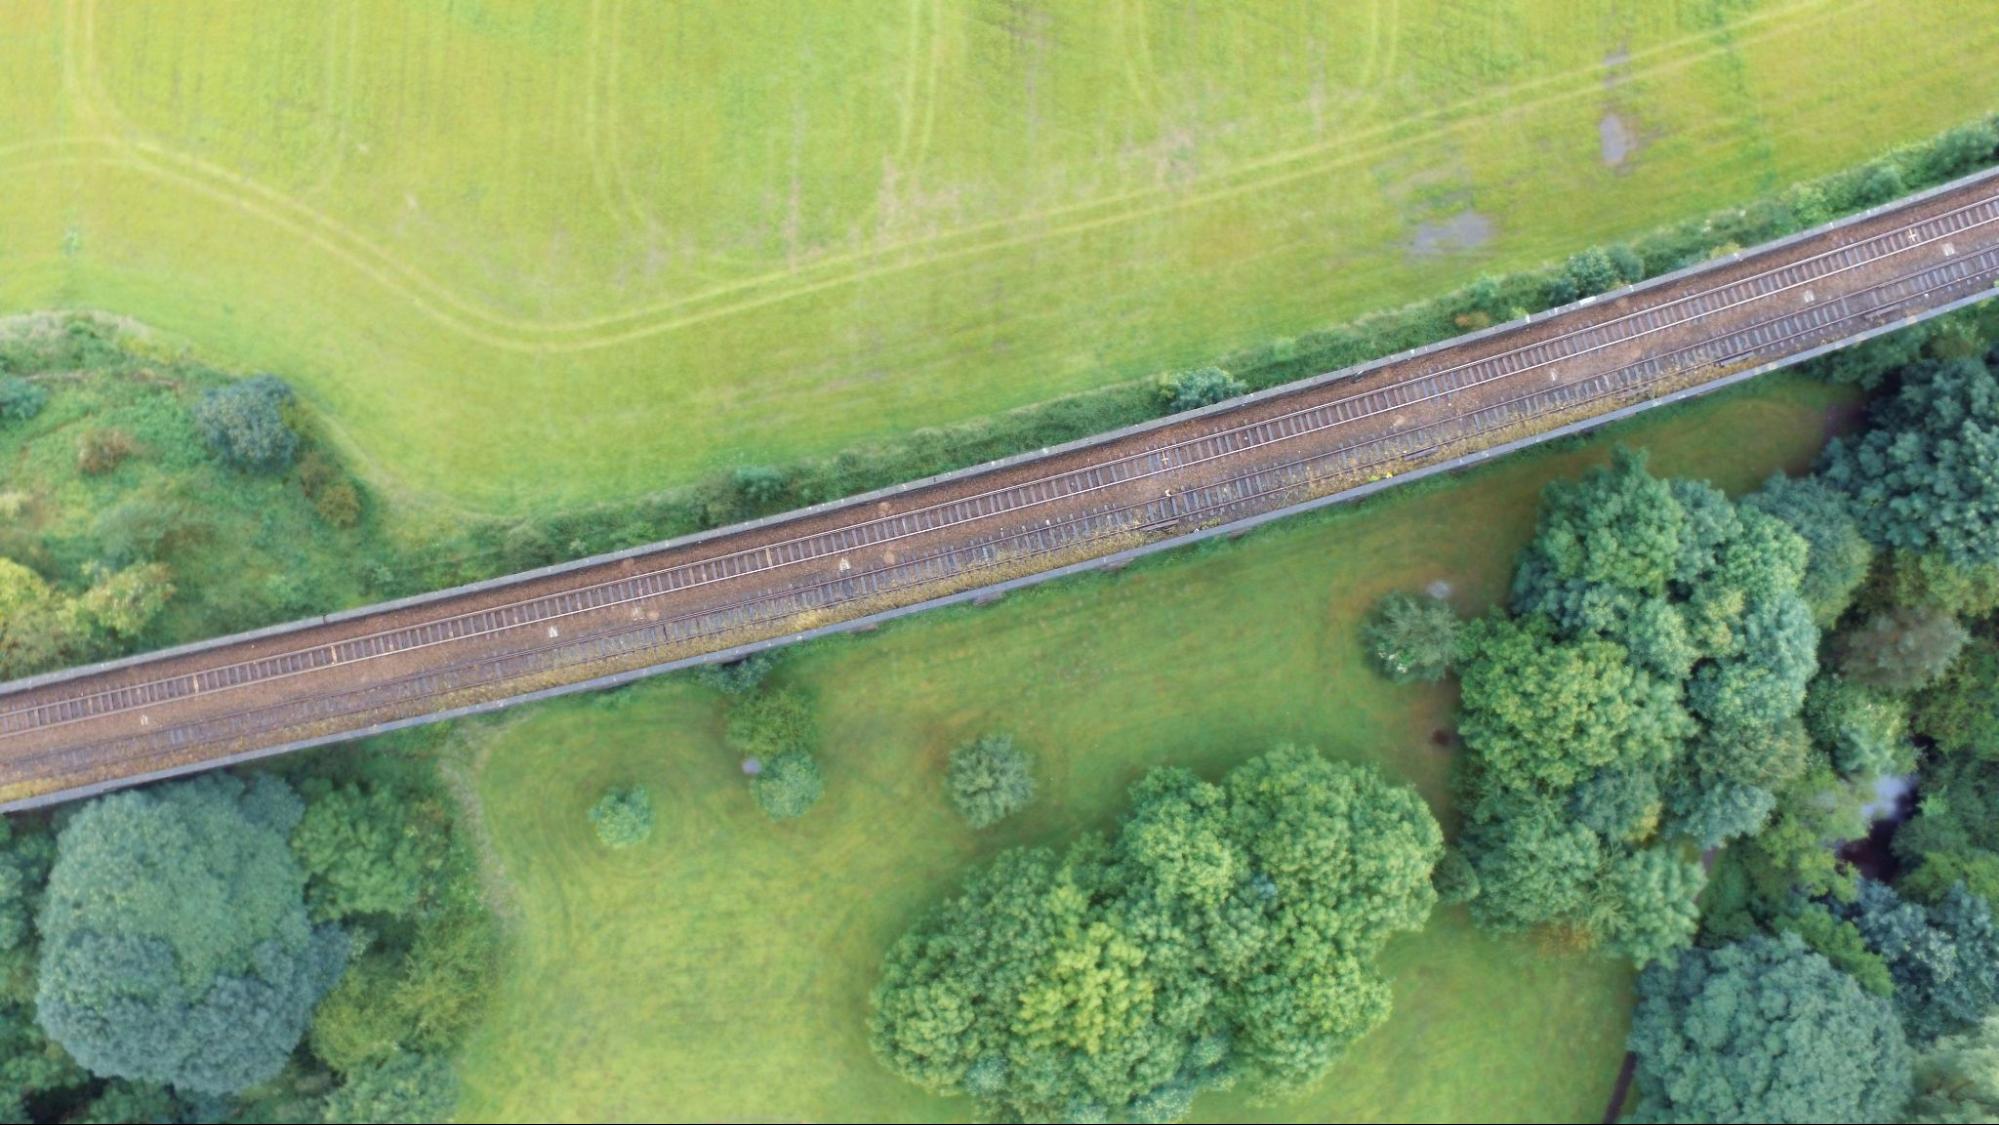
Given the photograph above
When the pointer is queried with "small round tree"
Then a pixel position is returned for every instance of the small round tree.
(623, 816)
(1413, 638)
(244, 424)
(20, 400)
(788, 784)
(990, 780)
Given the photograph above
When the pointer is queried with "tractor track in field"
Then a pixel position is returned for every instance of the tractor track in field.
(848, 562)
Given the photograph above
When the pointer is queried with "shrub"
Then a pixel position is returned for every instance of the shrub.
(623, 816)
(788, 784)
(767, 724)
(20, 400)
(989, 780)
(1413, 638)
(244, 424)
(739, 677)
(100, 451)
(1192, 390)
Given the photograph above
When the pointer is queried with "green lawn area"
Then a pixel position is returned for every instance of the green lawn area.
(525, 254)
(720, 971)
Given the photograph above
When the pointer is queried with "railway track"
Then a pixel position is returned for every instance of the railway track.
(318, 681)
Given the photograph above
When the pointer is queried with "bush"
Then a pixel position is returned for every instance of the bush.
(623, 816)
(1192, 390)
(1413, 638)
(100, 451)
(20, 400)
(989, 780)
(244, 424)
(739, 677)
(787, 785)
(769, 723)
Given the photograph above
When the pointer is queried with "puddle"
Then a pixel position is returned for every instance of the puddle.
(1466, 230)
(1616, 139)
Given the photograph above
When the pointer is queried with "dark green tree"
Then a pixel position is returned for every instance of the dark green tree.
(244, 424)
(1226, 933)
(176, 945)
(1944, 959)
(1413, 638)
(1924, 476)
(989, 779)
(1765, 1030)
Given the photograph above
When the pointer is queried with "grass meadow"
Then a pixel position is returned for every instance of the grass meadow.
(720, 971)
(524, 255)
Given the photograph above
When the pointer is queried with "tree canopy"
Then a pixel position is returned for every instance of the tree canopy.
(622, 816)
(989, 779)
(244, 423)
(1413, 638)
(1764, 1029)
(176, 946)
(1642, 701)
(1227, 932)
(1924, 476)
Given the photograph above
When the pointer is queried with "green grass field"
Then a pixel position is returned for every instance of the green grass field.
(524, 255)
(720, 971)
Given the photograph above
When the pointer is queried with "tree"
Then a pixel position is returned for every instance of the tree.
(1944, 959)
(1961, 712)
(1413, 638)
(623, 816)
(1954, 836)
(367, 848)
(244, 424)
(1902, 649)
(989, 780)
(176, 946)
(1648, 904)
(1838, 554)
(1191, 390)
(1924, 476)
(1764, 1030)
(1865, 732)
(1957, 1078)
(787, 785)
(20, 400)
(406, 1087)
(1226, 933)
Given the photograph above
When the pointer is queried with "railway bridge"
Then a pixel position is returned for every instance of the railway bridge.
(973, 533)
